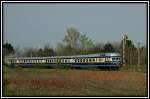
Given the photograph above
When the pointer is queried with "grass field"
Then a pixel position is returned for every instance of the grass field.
(68, 82)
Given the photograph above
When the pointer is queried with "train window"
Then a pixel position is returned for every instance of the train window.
(89, 59)
(100, 59)
(93, 60)
(106, 59)
(86, 60)
(116, 58)
(65, 60)
(113, 58)
(83, 60)
(78, 60)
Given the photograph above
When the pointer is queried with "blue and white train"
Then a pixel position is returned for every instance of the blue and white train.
(97, 60)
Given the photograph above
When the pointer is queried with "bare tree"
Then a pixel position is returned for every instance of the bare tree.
(72, 37)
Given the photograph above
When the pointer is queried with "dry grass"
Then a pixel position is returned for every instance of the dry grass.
(61, 82)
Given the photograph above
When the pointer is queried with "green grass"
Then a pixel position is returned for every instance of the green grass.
(72, 82)
(135, 68)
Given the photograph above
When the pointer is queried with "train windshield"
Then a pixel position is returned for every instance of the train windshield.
(116, 59)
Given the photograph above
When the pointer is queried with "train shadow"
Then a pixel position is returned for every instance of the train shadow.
(107, 68)
(103, 68)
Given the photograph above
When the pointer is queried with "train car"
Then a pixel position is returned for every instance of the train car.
(97, 60)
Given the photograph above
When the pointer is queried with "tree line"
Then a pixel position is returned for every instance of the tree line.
(75, 43)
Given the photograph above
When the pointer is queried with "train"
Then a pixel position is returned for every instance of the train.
(95, 60)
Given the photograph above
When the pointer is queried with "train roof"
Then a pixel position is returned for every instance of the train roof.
(73, 56)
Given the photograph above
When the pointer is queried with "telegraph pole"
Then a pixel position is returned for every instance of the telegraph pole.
(124, 49)
(138, 53)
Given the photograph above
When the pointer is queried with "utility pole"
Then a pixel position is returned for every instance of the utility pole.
(138, 53)
(124, 49)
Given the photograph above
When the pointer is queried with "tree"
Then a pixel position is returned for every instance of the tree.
(8, 49)
(47, 51)
(60, 49)
(30, 52)
(98, 48)
(72, 37)
(130, 44)
(18, 51)
(108, 48)
(40, 52)
(85, 42)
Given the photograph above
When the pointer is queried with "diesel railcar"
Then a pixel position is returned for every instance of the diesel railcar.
(97, 60)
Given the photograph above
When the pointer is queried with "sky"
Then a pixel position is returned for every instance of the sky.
(39, 24)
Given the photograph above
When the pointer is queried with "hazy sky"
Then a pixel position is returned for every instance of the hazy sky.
(35, 25)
